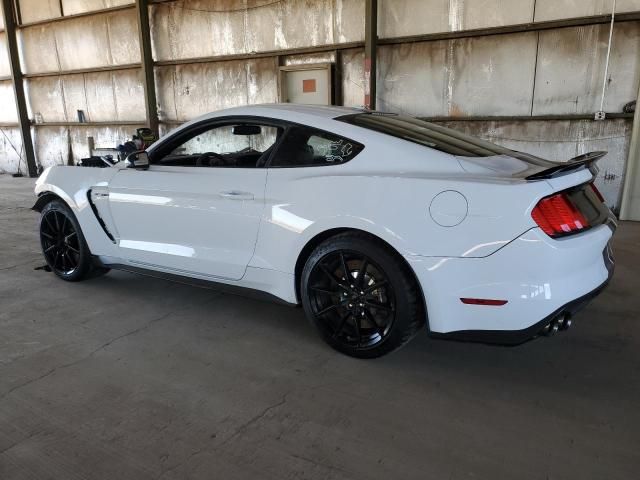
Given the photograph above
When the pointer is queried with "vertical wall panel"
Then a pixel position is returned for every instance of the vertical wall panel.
(129, 95)
(348, 21)
(96, 41)
(294, 24)
(206, 28)
(491, 75)
(53, 144)
(411, 78)
(399, 18)
(464, 77)
(8, 113)
(352, 68)
(102, 96)
(194, 28)
(46, 99)
(555, 9)
(35, 10)
(104, 137)
(10, 150)
(187, 91)
(5, 67)
(571, 65)
(73, 7)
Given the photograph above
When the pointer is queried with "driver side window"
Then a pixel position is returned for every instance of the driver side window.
(239, 145)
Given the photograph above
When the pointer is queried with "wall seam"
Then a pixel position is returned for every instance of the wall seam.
(535, 65)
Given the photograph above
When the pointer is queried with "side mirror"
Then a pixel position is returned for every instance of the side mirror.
(138, 160)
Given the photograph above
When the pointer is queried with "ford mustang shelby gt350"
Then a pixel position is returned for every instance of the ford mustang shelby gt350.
(378, 224)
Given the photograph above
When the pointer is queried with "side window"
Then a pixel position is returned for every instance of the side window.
(307, 147)
(238, 145)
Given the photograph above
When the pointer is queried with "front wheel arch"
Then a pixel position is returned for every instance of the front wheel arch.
(311, 245)
(44, 198)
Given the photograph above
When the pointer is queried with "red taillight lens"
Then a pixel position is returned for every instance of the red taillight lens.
(557, 215)
(597, 192)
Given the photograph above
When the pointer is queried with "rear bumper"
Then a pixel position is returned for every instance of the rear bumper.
(540, 278)
(517, 337)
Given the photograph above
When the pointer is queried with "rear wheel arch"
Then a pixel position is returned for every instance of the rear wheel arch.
(314, 242)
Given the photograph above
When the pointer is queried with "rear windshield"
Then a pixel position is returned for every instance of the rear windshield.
(434, 136)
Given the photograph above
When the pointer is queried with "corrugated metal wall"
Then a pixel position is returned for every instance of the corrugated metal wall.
(525, 76)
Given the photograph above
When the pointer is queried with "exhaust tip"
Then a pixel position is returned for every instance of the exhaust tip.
(565, 323)
(560, 323)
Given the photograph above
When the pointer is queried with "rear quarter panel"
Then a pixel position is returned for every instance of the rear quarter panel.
(387, 190)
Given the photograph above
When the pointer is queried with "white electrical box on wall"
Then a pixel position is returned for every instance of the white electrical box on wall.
(308, 84)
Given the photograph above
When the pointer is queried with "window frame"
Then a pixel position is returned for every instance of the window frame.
(170, 143)
(278, 144)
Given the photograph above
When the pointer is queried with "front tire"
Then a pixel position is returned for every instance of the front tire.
(361, 296)
(63, 245)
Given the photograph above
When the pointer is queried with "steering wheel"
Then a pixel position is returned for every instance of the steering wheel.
(211, 159)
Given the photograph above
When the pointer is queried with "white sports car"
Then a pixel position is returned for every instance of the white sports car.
(378, 224)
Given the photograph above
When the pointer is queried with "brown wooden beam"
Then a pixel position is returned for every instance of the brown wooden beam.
(9, 14)
(150, 102)
(370, 52)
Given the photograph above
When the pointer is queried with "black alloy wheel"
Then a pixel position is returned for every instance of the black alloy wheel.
(352, 299)
(60, 242)
(361, 295)
(63, 245)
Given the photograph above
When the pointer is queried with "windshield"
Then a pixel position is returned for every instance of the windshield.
(435, 136)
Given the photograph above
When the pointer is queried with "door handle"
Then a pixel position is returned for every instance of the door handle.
(236, 195)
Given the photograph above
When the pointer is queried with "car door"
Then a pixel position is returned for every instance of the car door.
(197, 209)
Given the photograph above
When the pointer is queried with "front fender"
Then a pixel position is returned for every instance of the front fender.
(72, 184)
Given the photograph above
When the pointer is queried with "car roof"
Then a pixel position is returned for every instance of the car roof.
(283, 110)
(319, 116)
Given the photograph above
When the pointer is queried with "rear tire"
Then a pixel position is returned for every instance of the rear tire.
(63, 244)
(361, 296)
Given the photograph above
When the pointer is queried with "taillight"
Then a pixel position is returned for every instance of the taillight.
(557, 215)
(597, 192)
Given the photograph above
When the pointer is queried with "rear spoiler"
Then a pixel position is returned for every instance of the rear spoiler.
(587, 160)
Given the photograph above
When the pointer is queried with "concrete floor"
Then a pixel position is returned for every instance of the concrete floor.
(126, 377)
